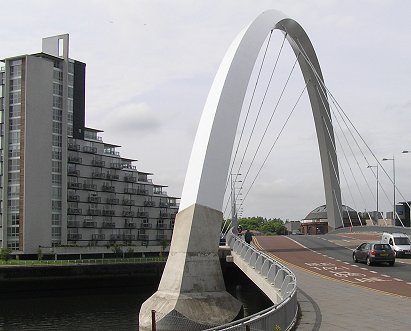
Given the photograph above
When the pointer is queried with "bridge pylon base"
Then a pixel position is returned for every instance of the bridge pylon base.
(192, 295)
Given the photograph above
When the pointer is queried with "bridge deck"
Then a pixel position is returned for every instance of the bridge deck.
(341, 296)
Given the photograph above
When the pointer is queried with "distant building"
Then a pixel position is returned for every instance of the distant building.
(316, 222)
(63, 188)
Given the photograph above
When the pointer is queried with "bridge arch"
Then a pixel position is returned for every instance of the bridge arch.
(192, 280)
(210, 158)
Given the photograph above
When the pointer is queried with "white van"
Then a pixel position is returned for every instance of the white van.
(399, 242)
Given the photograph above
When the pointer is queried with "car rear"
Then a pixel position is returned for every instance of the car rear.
(382, 253)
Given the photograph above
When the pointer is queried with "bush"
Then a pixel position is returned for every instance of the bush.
(5, 254)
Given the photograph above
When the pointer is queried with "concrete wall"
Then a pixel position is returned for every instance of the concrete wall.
(37, 153)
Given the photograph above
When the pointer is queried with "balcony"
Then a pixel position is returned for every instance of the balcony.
(149, 203)
(115, 237)
(73, 185)
(129, 202)
(73, 147)
(73, 172)
(108, 188)
(163, 204)
(113, 201)
(73, 224)
(94, 199)
(115, 165)
(130, 190)
(146, 225)
(129, 237)
(89, 224)
(98, 163)
(142, 191)
(162, 226)
(164, 214)
(108, 212)
(142, 214)
(73, 197)
(142, 237)
(161, 237)
(130, 225)
(89, 187)
(99, 175)
(128, 213)
(112, 176)
(73, 236)
(130, 179)
(110, 225)
(94, 212)
(74, 159)
(98, 236)
(143, 179)
(74, 211)
(90, 149)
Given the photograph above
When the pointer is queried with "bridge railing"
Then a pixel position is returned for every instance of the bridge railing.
(282, 282)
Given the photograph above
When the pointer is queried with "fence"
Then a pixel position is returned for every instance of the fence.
(279, 317)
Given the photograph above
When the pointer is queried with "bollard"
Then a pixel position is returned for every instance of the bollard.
(153, 320)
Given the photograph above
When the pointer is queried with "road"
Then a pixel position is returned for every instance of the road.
(340, 247)
(337, 294)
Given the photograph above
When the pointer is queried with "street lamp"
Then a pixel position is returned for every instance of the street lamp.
(233, 202)
(393, 175)
(376, 166)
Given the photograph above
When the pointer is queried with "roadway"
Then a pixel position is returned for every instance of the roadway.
(337, 294)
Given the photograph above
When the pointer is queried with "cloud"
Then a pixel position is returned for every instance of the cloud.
(131, 117)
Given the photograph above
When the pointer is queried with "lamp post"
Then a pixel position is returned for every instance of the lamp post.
(393, 174)
(405, 152)
(376, 166)
(233, 202)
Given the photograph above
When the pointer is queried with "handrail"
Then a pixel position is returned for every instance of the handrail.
(280, 316)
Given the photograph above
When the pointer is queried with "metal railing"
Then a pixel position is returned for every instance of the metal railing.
(282, 315)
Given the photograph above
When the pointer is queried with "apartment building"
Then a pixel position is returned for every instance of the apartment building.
(62, 187)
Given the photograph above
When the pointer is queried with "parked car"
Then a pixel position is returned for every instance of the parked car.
(399, 242)
(371, 253)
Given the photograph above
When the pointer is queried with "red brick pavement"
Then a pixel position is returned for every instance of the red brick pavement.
(294, 254)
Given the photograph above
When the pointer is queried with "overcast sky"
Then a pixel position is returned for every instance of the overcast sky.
(150, 65)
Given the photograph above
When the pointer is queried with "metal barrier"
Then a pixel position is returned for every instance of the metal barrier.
(282, 315)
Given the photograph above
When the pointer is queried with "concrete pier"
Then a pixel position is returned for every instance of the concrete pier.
(192, 294)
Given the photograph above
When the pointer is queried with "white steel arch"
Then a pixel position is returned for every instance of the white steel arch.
(192, 287)
(210, 158)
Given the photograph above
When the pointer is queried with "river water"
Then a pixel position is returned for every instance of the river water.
(113, 307)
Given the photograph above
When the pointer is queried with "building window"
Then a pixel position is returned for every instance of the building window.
(55, 219)
(57, 102)
(57, 89)
(14, 111)
(58, 75)
(13, 232)
(57, 141)
(56, 166)
(15, 84)
(57, 128)
(14, 97)
(55, 205)
(14, 124)
(15, 69)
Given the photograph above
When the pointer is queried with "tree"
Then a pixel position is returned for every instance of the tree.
(118, 252)
(5, 254)
(164, 244)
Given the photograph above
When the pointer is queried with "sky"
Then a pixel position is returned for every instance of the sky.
(150, 65)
